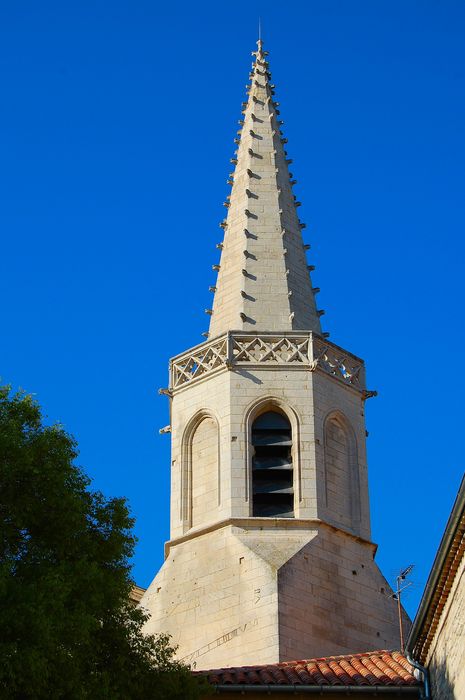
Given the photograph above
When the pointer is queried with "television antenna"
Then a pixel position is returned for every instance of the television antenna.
(401, 585)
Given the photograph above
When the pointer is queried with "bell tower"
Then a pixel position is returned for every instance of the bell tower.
(270, 557)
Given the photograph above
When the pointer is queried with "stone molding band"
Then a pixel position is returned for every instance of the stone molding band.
(251, 523)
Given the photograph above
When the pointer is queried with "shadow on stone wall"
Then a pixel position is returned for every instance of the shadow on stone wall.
(442, 687)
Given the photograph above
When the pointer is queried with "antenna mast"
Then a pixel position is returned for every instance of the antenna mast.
(401, 586)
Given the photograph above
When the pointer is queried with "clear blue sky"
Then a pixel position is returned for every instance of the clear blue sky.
(117, 122)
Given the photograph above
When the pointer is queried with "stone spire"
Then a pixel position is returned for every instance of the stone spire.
(263, 278)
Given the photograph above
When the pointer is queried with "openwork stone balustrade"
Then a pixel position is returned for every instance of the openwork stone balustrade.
(294, 349)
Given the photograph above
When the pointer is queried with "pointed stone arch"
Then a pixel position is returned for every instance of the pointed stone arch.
(256, 409)
(342, 482)
(200, 494)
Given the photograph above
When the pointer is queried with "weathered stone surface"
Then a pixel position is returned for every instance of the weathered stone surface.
(445, 654)
(250, 593)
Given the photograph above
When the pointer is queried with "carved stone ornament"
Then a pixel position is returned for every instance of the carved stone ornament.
(267, 350)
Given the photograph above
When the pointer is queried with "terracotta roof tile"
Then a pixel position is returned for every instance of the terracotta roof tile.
(316, 677)
(340, 672)
(355, 676)
(367, 673)
(376, 668)
(253, 678)
(400, 660)
(327, 672)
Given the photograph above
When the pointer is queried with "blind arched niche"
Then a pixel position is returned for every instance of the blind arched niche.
(342, 483)
(204, 474)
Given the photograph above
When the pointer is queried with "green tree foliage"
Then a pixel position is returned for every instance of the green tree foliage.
(67, 626)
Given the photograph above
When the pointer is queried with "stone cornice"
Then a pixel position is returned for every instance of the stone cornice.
(268, 524)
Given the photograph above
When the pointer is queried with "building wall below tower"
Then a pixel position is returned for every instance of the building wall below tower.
(218, 600)
(333, 600)
(259, 591)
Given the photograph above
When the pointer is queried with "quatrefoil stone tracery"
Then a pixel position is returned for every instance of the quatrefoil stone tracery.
(278, 350)
(237, 349)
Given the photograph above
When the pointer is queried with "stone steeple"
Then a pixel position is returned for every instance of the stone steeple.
(263, 280)
(270, 555)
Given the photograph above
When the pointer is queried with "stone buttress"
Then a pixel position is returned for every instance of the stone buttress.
(270, 556)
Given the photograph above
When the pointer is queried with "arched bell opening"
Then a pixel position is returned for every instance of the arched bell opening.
(272, 466)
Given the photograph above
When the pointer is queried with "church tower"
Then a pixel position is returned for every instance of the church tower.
(270, 557)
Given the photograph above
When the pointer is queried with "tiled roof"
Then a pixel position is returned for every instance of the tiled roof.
(376, 668)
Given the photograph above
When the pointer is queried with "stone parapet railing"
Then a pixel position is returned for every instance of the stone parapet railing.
(267, 350)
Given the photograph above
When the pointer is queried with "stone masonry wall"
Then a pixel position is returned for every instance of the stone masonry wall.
(256, 594)
(446, 653)
(218, 600)
(334, 600)
(190, 407)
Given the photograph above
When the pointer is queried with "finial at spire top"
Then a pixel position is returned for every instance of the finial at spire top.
(260, 52)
